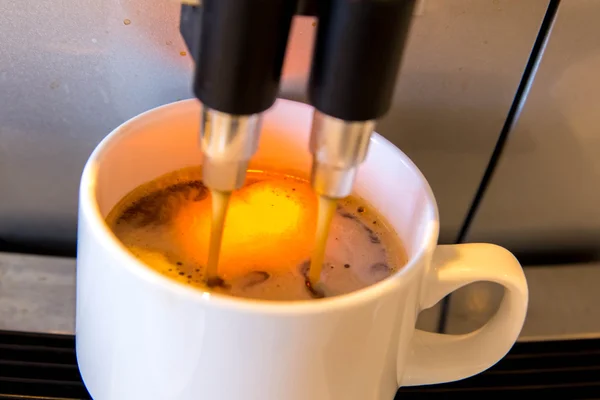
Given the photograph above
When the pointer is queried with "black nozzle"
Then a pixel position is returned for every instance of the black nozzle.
(307, 7)
(241, 52)
(189, 26)
(357, 56)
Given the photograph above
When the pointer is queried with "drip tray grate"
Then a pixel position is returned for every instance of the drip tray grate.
(39, 366)
(43, 366)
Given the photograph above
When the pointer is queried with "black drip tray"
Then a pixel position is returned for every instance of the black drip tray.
(43, 366)
(34, 366)
(566, 369)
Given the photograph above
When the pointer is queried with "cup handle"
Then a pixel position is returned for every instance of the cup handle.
(438, 358)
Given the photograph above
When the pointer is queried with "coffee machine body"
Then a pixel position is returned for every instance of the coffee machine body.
(71, 74)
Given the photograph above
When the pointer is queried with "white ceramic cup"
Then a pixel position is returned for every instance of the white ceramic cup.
(143, 336)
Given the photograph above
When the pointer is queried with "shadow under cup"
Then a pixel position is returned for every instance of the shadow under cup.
(166, 139)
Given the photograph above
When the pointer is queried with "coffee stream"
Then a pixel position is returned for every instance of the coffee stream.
(327, 208)
(220, 203)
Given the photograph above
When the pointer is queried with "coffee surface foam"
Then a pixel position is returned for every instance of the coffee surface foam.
(268, 237)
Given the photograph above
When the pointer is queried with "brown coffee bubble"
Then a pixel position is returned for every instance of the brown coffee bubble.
(380, 271)
(347, 214)
(304, 267)
(253, 278)
(314, 292)
(158, 207)
(217, 282)
(373, 237)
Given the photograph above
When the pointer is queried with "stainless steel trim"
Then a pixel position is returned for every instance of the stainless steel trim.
(550, 338)
(228, 142)
(338, 148)
(37, 294)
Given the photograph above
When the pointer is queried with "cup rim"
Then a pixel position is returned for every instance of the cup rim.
(90, 210)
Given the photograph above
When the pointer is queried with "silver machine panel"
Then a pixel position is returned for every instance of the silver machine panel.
(70, 72)
(545, 193)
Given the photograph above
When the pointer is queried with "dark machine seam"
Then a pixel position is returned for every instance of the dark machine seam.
(512, 117)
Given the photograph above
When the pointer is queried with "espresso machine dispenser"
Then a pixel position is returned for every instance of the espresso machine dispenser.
(477, 77)
(239, 48)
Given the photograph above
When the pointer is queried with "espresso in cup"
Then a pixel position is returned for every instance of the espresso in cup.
(268, 238)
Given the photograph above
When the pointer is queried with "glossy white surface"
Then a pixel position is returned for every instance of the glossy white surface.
(70, 71)
(545, 193)
(143, 336)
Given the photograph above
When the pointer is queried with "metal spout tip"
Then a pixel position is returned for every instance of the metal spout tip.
(332, 182)
(338, 148)
(228, 143)
(223, 176)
